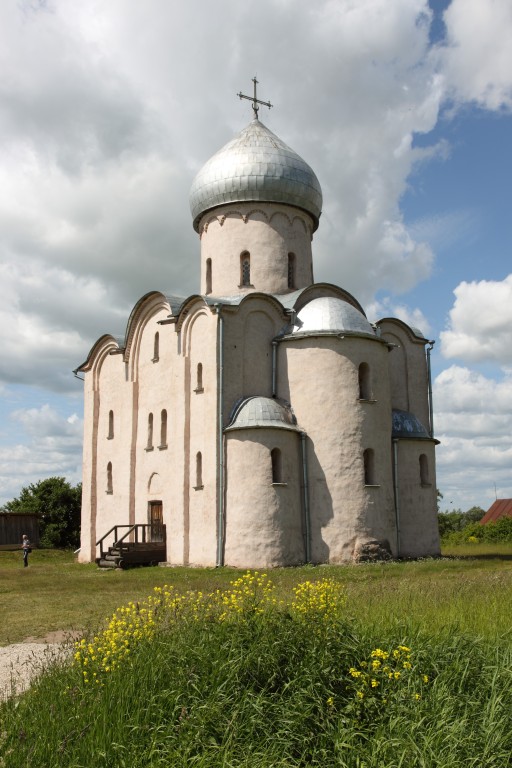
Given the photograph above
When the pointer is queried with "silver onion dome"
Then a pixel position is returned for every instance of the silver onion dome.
(330, 314)
(255, 166)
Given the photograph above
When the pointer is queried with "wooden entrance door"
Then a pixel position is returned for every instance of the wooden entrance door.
(156, 520)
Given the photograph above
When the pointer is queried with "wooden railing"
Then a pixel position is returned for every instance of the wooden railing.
(139, 533)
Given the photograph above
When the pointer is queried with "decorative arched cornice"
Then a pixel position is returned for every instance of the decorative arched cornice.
(271, 210)
(413, 334)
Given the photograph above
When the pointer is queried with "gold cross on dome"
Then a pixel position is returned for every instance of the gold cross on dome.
(254, 100)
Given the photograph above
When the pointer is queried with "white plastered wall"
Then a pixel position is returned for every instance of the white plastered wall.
(264, 526)
(248, 333)
(419, 533)
(106, 389)
(319, 376)
(199, 346)
(268, 232)
(407, 370)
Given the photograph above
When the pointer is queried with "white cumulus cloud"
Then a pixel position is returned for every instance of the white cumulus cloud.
(480, 322)
(477, 56)
(473, 421)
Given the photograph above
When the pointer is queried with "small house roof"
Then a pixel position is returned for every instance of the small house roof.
(500, 508)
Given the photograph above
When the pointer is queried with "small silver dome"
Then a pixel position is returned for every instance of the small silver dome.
(406, 424)
(255, 166)
(262, 412)
(328, 313)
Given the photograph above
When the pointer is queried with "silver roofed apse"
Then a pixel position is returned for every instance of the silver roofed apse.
(262, 412)
(328, 313)
(255, 166)
(406, 424)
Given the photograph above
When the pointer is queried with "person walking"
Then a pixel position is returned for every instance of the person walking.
(27, 549)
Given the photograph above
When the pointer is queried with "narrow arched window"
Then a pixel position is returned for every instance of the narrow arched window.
(291, 270)
(199, 378)
(149, 445)
(277, 465)
(110, 425)
(110, 487)
(424, 479)
(245, 268)
(208, 275)
(156, 347)
(365, 388)
(369, 467)
(199, 470)
(163, 429)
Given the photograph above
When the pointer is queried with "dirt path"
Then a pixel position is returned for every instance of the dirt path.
(21, 662)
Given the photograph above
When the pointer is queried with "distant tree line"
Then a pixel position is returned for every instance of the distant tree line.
(457, 520)
(57, 505)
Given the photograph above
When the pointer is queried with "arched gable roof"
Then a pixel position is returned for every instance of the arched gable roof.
(319, 290)
(414, 334)
(108, 343)
(147, 305)
(187, 305)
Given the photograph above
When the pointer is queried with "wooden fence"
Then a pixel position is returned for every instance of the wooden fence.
(14, 525)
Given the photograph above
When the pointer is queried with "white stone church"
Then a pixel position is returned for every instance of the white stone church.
(263, 421)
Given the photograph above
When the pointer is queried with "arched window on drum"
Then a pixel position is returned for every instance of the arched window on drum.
(245, 269)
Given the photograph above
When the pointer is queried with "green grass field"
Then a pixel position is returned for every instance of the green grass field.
(472, 587)
(395, 665)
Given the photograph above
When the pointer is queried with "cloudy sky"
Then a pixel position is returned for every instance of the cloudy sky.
(402, 107)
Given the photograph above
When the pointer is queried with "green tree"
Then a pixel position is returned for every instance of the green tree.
(457, 520)
(57, 504)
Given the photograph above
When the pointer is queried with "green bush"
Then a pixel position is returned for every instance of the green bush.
(457, 520)
(499, 532)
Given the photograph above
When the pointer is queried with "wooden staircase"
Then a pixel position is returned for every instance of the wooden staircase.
(138, 545)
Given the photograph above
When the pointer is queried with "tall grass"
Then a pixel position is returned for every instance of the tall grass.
(259, 676)
(56, 593)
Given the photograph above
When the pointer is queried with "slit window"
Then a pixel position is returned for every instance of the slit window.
(424, 479)
(149, 445)
(156, 348)
(277, 465)
(208, 275)
(163, 429)
(110, 487)
(199, 378)
(369, 467)
(245, 268)
(365, 389)
(291, 270)
(199, 470)
(110, 425)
